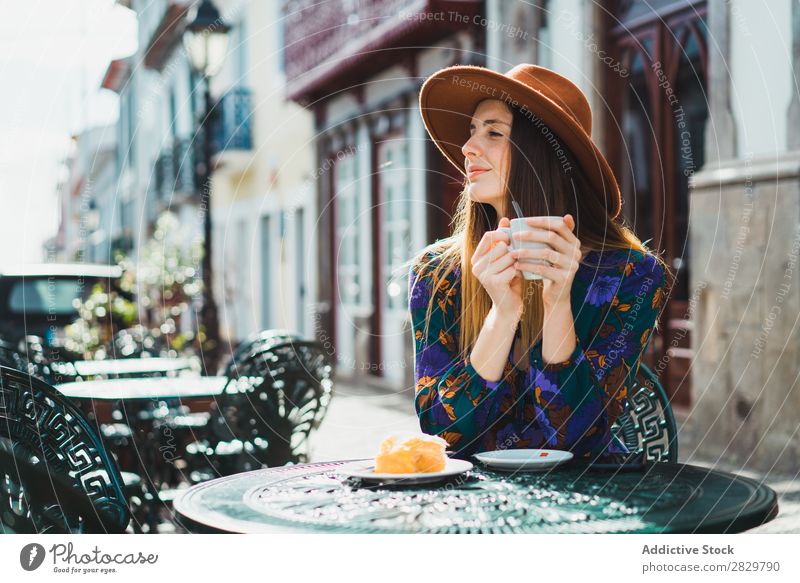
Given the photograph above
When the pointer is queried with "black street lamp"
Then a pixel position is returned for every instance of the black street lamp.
(206, 42)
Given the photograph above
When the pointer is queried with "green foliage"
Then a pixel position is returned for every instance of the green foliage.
(155, 292)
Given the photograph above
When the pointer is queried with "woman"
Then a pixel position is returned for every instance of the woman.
(505, 362)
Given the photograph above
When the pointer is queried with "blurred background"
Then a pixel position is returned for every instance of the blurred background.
(262, 164)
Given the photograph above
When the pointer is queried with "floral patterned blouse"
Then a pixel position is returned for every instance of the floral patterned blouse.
(616, 297)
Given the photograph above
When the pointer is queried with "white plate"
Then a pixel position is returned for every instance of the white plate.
(523, 460)
(365, 469)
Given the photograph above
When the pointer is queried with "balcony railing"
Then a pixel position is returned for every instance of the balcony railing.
(174, 172)
(333, 43)
(183, 164)
(233, 122)
(163, 176)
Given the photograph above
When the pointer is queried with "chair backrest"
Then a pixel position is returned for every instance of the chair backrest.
(33, 500)
(255, 342)
(648, 424)
(11, 357)
(281, 395)
(33, 360)
(137, 342)
(40, 421)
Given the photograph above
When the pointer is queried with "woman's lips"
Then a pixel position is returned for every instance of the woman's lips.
(476, 173)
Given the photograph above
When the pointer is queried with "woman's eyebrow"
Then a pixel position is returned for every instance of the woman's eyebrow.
(488, 122)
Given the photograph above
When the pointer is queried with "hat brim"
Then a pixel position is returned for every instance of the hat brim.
(447, 101)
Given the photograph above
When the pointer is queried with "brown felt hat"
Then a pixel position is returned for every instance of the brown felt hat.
(448, 99)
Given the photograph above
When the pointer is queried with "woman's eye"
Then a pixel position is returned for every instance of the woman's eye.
(495, 134)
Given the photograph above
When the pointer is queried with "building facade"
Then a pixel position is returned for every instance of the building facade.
(383, 192)
(263, 204)
(85, 217)
(159, 105)
(325, 182)
(363, 90)
(744, 231)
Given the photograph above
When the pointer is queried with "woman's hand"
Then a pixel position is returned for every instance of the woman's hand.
(564, 255)
(493, 265)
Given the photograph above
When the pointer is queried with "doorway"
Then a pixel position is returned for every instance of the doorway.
(655, 138)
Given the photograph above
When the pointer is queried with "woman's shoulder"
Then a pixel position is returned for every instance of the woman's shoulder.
(428, 273)
(622, 272)
(622, 262)
(430, 259)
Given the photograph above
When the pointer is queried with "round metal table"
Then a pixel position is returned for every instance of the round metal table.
(145, 388)
(665, 498)
(130, 366)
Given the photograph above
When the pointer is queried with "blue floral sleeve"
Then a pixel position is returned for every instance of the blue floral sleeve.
(577, 401)
(451, 399)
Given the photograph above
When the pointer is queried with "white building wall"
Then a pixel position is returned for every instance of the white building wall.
(755, 65)
(568, 55)
(268, 183)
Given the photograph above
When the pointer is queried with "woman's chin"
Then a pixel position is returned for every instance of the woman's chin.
(475, 195)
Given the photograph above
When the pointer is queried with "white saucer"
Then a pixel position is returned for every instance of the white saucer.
(365, 469)
(523, 460)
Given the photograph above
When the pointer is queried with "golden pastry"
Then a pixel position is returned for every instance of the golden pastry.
(416, 454)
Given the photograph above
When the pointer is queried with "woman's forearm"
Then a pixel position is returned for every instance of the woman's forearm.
(490, 353)
(558, 333)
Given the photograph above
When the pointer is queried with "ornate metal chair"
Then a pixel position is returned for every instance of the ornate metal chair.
(49, 431)
(30, 357)
(252, 343)
(11, 357)
(268, 411)
(648, 424)
(33, 500)
(137, 342)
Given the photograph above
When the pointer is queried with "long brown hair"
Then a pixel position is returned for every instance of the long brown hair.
(545, 180)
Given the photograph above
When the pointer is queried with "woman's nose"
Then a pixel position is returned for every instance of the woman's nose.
(470, 147)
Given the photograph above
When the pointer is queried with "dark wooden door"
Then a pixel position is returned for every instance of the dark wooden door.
(444, 185)
(655, 137)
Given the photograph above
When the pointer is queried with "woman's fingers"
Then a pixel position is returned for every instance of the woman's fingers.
(506, 273)
(551, 273)
(545, 253)
(498, 251)
(562, 227)
(499, 255)
(552, 238)
(488, 240)
(484, 244)
(554, 232)
(501, 263)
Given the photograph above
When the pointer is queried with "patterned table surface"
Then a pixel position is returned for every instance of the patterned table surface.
(145, 388)
(130, 366)
(664, 498)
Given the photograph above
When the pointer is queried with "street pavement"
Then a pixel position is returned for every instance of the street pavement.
(360, 417)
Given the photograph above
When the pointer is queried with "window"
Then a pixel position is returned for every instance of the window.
(268, 278)
(280, 24)
(173, 113)
(299, 266)
(241, 53)
(545, 42)
(395, 200)
(348, 232)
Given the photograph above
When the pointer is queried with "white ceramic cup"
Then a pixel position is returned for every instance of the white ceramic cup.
(519, 225)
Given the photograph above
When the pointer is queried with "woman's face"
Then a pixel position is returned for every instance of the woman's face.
(487, 153)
